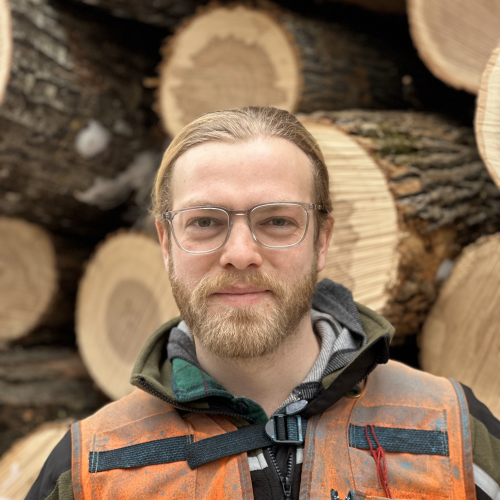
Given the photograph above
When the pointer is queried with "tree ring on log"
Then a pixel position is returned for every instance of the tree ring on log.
(455, 38)
(28, 276)
(460, 336)
(22, 463)
(5, 46)
(362, 254)
(227, 58)
(487, 121)
(124, 296)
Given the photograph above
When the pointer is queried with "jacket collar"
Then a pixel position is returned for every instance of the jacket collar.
(195, 390)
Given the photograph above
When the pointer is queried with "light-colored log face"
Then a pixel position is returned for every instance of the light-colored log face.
(455, 37)
(20, 466)
(460, 338)
(124, 296)
(28, 276)
(487, 122)
(227, 58)
(362, 255)
(5, 46)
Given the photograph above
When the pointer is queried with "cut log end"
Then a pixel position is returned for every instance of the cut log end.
(5, 46)
(455, 38)
(460, 337)
(487, 121)
(28, 277)
(20, 466)
(124, 296)
(362, 253)
(227, 58)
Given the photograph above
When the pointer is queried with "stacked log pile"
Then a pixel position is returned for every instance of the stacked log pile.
(92, 90)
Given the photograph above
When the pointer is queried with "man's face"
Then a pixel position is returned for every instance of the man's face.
(244, 300)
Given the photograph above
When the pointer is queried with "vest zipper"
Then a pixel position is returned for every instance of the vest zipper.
(174, 403)
(286, 482)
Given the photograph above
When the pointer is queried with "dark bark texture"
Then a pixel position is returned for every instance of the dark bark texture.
(68, 68)
(445, 198)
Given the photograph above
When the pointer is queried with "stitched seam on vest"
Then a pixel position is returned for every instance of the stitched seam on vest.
(415, 441)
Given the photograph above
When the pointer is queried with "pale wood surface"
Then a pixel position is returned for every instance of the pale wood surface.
(20, 466)
(460, 338)
(409, 191)
(455, 38)
(124, 296)
(235, 56)
(487, 121)
(5, 46)
(28, 276)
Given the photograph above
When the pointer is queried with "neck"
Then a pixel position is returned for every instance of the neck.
(268, 380)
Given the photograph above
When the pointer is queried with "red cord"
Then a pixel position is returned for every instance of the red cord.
(379, 457)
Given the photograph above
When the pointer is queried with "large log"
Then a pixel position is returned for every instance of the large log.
(166, 13)
(73, 110)
(409, 191)
(235, 56)
(22, 463)
(487, 120)
(460, 337)
(123, 297)
(455, 38)
(41, 384)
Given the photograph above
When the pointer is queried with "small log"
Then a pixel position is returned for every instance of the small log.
(28, 277)
(236, 56)
(455, 38)
(487, 121)
(409, 191)
(73, 110)
(165, 13)
(460, 337)
(22, 463)
(123, 297)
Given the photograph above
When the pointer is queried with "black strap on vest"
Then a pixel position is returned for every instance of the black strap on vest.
(280, 429)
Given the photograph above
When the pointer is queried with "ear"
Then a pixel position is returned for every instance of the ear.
(163, 238)
(325, 236)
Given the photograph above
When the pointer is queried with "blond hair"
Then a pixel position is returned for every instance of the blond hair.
(242, 125)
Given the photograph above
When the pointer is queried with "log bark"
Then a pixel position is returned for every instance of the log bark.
(460, 337)
(409, 191)
(455, 38)
(74, 108)
(22, 463)
(123, 297)
(487, 116)
(42, 384)
(230, 57)
(165, 13)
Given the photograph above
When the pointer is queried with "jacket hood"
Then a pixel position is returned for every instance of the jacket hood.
(153, 371)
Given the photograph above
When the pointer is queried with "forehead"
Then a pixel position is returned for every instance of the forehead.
(239, 175)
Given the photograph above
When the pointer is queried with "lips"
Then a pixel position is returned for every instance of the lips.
(241, 290)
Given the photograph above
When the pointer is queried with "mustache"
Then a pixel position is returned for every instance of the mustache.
(212, 284)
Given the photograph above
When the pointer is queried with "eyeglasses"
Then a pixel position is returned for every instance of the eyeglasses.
(201, 230)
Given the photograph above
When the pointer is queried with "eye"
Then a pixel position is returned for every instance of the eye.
(278, 222)
(203, 222)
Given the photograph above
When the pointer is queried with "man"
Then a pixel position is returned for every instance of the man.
(270, 386)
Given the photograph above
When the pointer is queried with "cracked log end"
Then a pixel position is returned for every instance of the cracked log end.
(455, 38)
(460, 337)
(123, 298)
(28, 277)
(487, 121)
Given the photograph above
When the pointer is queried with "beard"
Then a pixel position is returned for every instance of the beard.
(232, 332)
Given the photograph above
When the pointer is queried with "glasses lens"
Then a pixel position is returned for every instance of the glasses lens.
(280, 224)
(201, 229)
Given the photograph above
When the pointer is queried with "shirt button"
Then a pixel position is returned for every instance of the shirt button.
(242, 407)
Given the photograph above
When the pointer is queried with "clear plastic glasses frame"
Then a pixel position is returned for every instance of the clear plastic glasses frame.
(170, 216)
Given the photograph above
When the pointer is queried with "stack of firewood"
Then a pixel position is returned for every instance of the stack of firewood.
(91, 94)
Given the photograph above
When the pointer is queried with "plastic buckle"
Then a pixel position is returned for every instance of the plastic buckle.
(271, 431)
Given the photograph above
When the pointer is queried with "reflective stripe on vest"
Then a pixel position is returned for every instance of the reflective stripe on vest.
(421, 421)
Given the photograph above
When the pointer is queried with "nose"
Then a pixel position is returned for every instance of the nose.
(241, 251)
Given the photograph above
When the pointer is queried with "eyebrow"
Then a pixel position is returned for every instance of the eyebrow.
(201, 202)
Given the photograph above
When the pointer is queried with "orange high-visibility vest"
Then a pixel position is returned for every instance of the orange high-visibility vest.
(422, 421)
